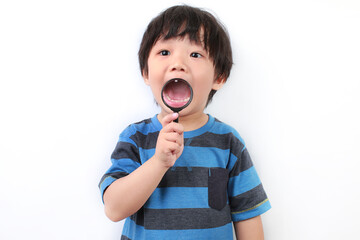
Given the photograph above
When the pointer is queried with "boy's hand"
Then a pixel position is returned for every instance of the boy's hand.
(170, 143)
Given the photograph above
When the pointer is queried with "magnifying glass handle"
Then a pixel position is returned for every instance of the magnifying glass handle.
(177, 119)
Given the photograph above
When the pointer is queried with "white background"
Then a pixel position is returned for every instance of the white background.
(70, 83)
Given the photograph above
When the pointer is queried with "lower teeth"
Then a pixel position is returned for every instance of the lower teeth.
(177, 100)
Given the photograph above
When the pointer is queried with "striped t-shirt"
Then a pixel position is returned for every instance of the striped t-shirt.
(212, 184)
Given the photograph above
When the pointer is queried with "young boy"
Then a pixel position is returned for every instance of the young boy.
(192, 179)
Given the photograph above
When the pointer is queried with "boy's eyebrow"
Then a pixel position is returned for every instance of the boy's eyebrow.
(200, 42)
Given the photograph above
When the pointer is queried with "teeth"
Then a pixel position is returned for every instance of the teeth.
(177, 100)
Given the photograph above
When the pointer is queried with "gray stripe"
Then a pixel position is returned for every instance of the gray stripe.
(243, 163)
(124, 238)
(248, 199)
(138, 217)
(116, 175)
(222, 141)
(208, 139)
(182, 219)
(145, 141)
(185, 177)
(126, 150)
(177, 177)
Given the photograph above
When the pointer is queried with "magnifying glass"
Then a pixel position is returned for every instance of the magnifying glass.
(177, 94)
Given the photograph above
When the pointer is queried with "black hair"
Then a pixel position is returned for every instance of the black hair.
(181, 21)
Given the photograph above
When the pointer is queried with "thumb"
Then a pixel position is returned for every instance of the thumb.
(169, 118)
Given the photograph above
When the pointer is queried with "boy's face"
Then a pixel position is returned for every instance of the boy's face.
(182, 58)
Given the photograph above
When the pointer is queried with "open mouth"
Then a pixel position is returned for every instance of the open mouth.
(176, 93)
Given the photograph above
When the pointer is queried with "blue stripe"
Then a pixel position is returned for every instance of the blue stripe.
(251, 213)
(243, 182)
(146, 154)
(133, 231)
(203, 157)
(144, 128)
(223, 128)
(232, 161)
(123, 165)
(201, 130)
(155, 122)
(178, 197)
(196, 157)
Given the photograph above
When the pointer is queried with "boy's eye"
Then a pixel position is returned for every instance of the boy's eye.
(164, 52)
(195, 55)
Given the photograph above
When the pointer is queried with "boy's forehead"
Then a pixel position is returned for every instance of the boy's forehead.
(198, 42)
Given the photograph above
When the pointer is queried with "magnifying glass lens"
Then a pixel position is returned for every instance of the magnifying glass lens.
(176, 94)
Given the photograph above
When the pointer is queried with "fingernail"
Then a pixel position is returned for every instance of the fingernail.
(175, 114)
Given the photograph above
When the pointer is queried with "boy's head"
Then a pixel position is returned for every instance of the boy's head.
(200, 26)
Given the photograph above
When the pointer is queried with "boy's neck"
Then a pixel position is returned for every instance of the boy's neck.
(190, 122)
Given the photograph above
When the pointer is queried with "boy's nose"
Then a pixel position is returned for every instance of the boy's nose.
(178, 67)
(178, 64)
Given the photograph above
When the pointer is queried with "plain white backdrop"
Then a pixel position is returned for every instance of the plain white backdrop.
(70, 83)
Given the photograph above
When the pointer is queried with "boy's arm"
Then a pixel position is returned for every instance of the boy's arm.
(127, 195)
(250, 229)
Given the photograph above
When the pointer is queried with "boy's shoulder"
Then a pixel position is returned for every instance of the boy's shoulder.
(143, 127)
(221, 127)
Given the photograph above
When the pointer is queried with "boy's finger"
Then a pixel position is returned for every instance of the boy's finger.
(169, 118)
(173, 127)
(174, 137)
(174, 148)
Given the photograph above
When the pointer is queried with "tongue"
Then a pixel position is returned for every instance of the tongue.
(178, 91)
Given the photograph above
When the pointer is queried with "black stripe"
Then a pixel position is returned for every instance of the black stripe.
(176, 177)
(126, 150)
(124, 238)
(236, 146)
(243, 163)
(209, 139)
(185, 177)
(248, 199)
(116, 175)
(138, 217)
(182, 219)
(145, 141)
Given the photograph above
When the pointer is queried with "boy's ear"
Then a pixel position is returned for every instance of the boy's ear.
(145, 77)
(146, 80)
(218, 83)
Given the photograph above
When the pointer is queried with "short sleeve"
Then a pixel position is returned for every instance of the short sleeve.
(247, 196)
(125, 159)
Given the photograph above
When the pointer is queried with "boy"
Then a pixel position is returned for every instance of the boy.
(192, 179)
